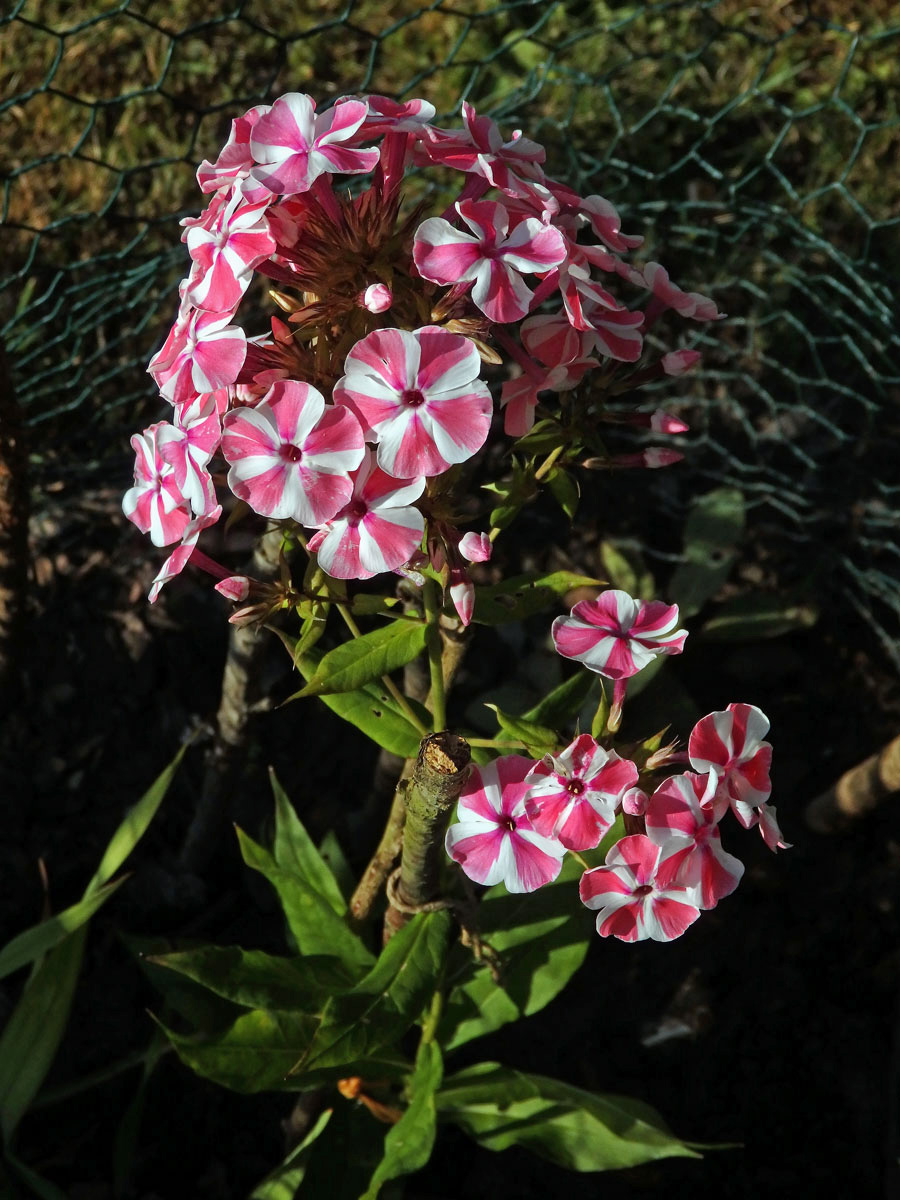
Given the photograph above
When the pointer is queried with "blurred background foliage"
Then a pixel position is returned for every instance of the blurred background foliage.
(754, 145)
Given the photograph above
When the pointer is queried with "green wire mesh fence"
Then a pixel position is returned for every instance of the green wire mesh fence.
(754, 146)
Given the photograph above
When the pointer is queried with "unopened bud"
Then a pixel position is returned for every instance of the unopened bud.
(235, 588)
(678, 362)
(634, 802)
(476, 547)
(377, 298)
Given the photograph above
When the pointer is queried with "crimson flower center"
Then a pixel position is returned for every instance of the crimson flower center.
(357, 510)
(413, 398)
(507, 823)
(289, 452)
(574, 787)
(642, 890)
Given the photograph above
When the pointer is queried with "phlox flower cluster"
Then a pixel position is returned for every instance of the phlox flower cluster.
(517, 818)
(347, 412)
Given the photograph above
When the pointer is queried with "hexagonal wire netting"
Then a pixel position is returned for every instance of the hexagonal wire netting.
(750, 145)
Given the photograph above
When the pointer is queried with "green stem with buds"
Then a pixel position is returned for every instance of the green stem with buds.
(389, 685)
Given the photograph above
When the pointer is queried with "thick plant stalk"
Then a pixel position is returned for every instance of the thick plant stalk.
(437, 780)
(13, 534)
(246, 646)
(382, 861)
(858, 790)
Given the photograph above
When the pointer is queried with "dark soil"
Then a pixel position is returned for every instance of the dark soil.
(772, 1024)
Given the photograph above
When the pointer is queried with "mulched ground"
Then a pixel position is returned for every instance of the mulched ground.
(772, 1024)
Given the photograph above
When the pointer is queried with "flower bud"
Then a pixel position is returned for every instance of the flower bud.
(377, 298)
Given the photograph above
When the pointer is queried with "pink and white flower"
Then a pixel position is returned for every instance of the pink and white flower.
(492, 256)
(418, 395)
(681, 818)
(235, 162)
(292, 145)
(493, 840)
(202, 354)
(292, 457)
(376, 530)
(181, 555)
(189, 444)
(573, 796)
(225, 254)
(155, 504)
(635, 896)
(731, 744)
(686, 304)
(616, 635)
(395, 116)
(480, 149)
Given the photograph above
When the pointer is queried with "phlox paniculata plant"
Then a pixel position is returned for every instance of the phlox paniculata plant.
(403, 343)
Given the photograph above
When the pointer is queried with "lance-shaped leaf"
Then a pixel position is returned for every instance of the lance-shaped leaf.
(254, 979)
(712, 533)
(377, 715)
(283, 1182)
(32, 1034)
(542, 939)
(355, 663)
(294, 850)
(257, 1053)
(315, 926)
(32, 943)
(574, 1128)
(383, 1005)
(409, 1143)
(563, 704)
(537, 739)
(524, 595)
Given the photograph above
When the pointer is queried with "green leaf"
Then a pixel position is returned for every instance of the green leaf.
(566, 491)
(751, 617)
(580, 1130)
(542, 939)
(712, 532)
(254, 979)
(383, 1005)
(524, 595)
(336, 860)
(513, 493)
(294, 850)
(315, 926)
(353, 664)
(409, 1143)
(566, 700)
(537, 739)
(257, 1054)
(283, 1182)
(542, 437)
(38, 1185)
(31, 944)
(32, 1034)
(376, 714)
(134, 826)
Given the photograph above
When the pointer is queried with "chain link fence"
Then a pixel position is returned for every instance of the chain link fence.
(754, 146)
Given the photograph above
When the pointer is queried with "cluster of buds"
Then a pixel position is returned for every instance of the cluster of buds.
(518, 817)
(350, 413)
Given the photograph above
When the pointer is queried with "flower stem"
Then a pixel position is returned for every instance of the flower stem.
(398, 697)
(544, 469)
(435, 655)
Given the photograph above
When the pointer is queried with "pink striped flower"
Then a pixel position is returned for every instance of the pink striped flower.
(292, 457)
(635, 896)
(201, 354)
(189, 444)
(616, 635)
(493, 840)
(686, 304)
(418, 395)
(292, 145)
(573, 796)
(376, 530)
(155, 504)
(479, 149)
(181, 555)
(393, 116)
(235, 162)
(731, 744)
(225, 254)
(681, 819)
(492, 256)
